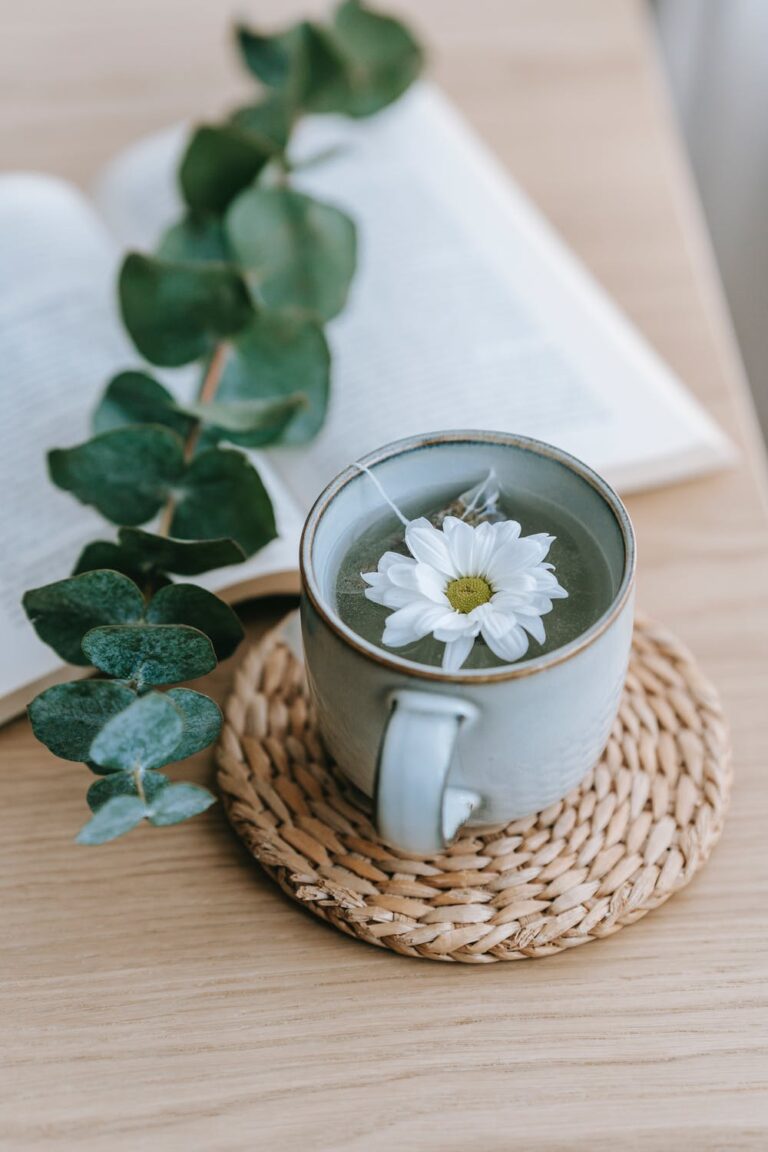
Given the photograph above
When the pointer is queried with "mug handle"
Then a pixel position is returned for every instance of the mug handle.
(414, 808)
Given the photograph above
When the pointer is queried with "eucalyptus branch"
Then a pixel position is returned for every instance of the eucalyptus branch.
(244, 283)
(206, 394)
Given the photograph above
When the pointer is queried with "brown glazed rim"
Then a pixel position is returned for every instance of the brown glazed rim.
(478, 676)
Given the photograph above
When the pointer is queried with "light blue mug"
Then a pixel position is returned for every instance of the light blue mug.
(436, 750)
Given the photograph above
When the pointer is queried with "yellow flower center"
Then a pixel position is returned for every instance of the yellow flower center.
(468, 592)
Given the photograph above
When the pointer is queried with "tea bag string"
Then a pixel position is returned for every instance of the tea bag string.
(489, 500)
(382, 491)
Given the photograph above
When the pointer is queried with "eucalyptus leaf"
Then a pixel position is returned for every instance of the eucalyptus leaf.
(125, 784)
(221, 160)
(297, 252)
(360, 64)
(381, 58)
(176, 312)
(62, 613)
(202, 721)
(148, 654)
(126, 473)
(116, 817)
(249, 423)
(142, 736)
(179, 802)
(195, 238)
(105, 554)
(272, 118)
(277, 355)
(222, 495)
(68, 717)
(301, 62)
(188, 604)
(137, 398)
(184, 557)
(269, 58)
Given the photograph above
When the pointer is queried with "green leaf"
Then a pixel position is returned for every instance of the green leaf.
(179, 802)
(136, 398)
(150, 653)
(188, 604)
(116, 817)
(360, 64)
(63, 612)
(302, 63)
(202, 721)
(68, 717)
(250, 423)
(126, 473)
(142, 736)
(272, 118)
(125, 784)
(381, 59)
(195, 238)
(219, 162)
(184, 557)
(276, 356)
(177, 312)
(297, 252)
(104, 554)
(270, 58)
(222, 495)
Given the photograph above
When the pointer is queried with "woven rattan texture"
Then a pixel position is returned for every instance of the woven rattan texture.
(635, 831)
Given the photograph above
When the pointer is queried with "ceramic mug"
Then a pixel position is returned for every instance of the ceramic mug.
(436, 750)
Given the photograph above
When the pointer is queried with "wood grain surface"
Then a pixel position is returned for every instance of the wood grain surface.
(160, 993)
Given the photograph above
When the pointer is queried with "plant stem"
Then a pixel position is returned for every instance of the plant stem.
(207, 391)
(137, 777)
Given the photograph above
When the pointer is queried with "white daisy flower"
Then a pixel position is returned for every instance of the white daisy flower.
(461, 582)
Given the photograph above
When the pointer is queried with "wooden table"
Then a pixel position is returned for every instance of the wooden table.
(160, 993)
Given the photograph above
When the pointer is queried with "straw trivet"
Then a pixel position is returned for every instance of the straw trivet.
(634, 832)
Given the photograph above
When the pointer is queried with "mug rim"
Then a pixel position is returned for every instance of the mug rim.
(478, 675)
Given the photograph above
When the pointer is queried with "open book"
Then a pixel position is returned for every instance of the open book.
(466, 311)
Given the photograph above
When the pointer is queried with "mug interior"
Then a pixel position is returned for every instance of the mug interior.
(425, 472)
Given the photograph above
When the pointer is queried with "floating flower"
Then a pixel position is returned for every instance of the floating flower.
(461, 582)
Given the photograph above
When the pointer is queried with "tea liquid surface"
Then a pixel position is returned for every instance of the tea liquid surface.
(580, 567)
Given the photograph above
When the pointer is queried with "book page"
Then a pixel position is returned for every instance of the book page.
(469, 312)
(466, 310)
(60, 343)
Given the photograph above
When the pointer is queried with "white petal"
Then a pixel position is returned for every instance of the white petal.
(455, 624)
(382, 589)
(514, 557)
(501, 632)
(535, 626)
(516, 583)
(411, 623)
(456, 652)
(537, 606)
(544, 540)
(483, 547)
(421, 579)
(508, 645)
(471, 548)
(514, 603)
(429, 546)
(546, 583)
(459, 537)
(388, 594)
(505, 531)
(389, 558)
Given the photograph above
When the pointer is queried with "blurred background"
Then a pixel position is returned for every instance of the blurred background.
(714, 54)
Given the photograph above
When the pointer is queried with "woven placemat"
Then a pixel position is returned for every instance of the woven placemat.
(634, 832)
